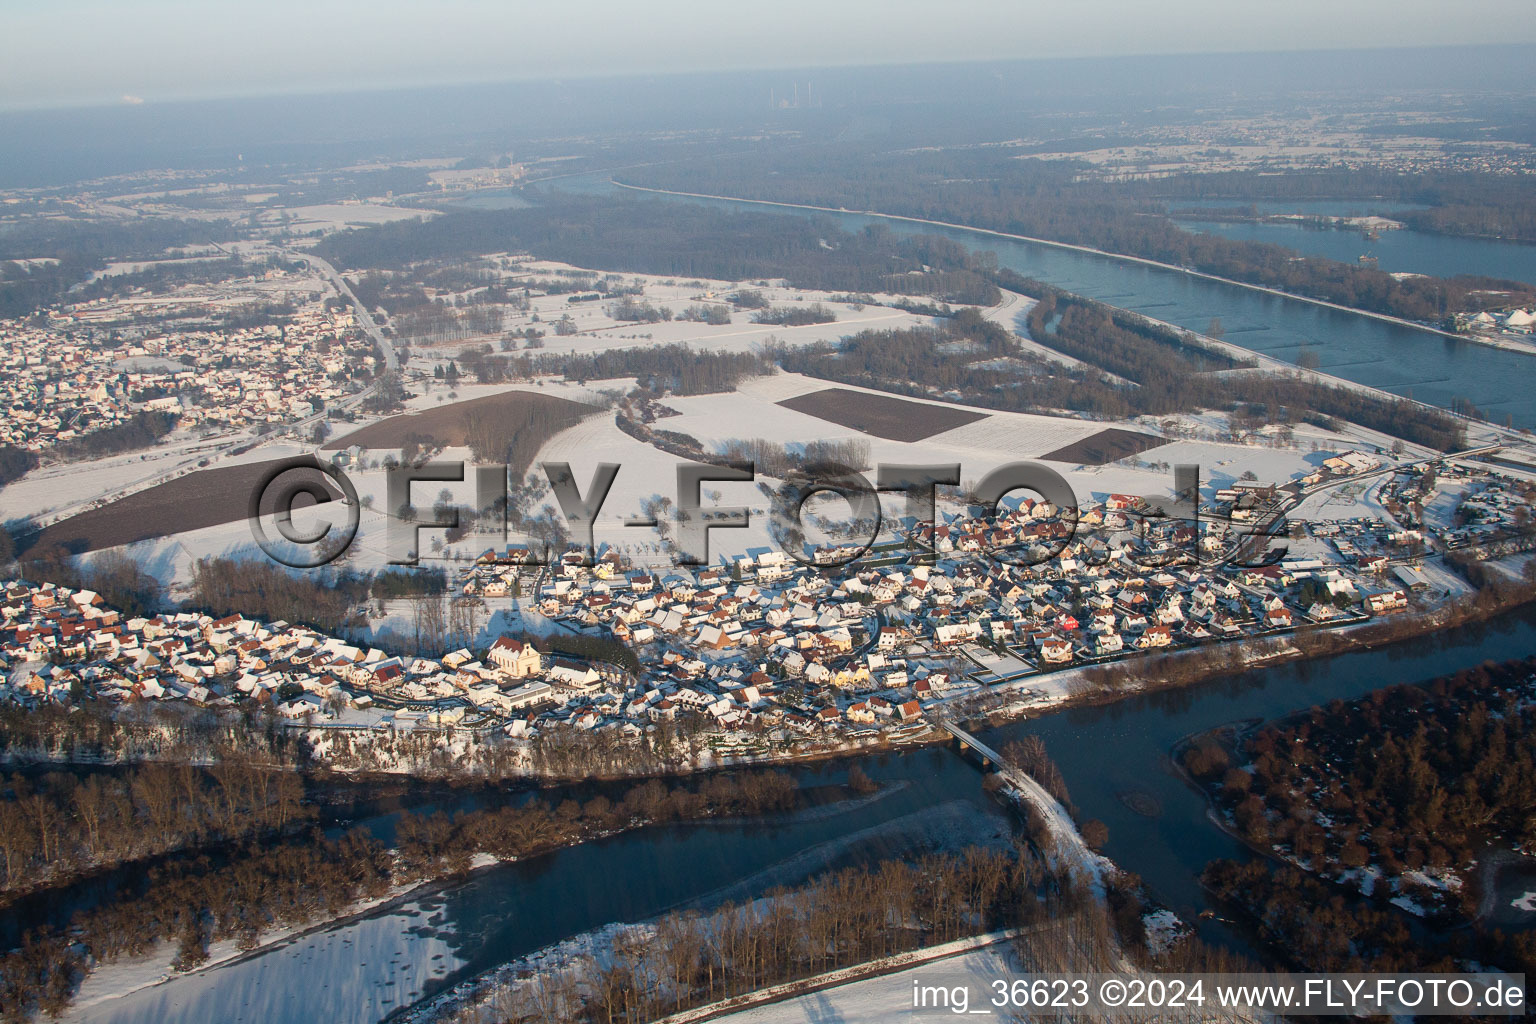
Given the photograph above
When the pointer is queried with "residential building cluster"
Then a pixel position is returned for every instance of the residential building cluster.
(69, 378)
(767, 642)
(758, 651)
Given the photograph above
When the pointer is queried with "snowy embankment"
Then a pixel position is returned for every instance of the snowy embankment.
(866, 991)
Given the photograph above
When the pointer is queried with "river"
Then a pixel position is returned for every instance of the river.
(1113, 757)
(360, 970)
(1402, 251)
(1424, 365)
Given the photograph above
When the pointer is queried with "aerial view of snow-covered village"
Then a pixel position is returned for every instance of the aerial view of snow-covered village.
(902, 533)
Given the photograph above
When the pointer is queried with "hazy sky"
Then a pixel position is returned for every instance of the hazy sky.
(67, 52)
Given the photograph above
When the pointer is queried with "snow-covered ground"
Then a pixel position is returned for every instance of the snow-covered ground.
(886, 998)
(752, 412)
(337, 216)
(354, 973)
(57, 487)
(647, 473)
(598, 331)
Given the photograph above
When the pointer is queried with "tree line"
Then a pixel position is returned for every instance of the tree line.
(326, 600)
(1169, 373)
(604, 649)
(834, 920)
(676, 368)
(961, 355)
(141, 430)
(63, 824)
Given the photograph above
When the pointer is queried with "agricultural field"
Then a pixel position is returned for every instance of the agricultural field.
(895, 419)
(458, 424)
(1109, 445)
(208, 497)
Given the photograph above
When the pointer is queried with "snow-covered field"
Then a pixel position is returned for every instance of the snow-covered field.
(336, 216)
(598, 331)
(648, 473)
(51, 488)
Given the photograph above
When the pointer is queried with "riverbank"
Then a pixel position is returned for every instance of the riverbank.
(1272, 364)
(435, 851)
(469, 999)
(1088, 250)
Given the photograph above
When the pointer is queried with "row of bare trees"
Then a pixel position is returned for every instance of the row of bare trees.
(772, 458)
(193, 901)
(63, 824)
(102, 731)
(436, 843)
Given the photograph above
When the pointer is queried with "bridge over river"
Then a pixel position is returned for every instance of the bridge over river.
(1070, 846)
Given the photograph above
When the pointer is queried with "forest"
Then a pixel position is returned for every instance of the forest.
(683, 240)
(141, 430)
(676, 368)
(74, 249)
(1479, 205)
(15, 463)
(264, 590)
(1316, 926)
(1405, 780)
(62, 823)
